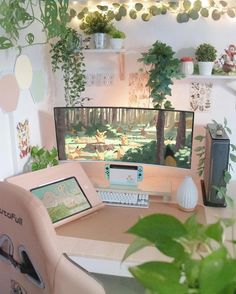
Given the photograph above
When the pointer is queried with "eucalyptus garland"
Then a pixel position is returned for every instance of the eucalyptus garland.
(185, 10)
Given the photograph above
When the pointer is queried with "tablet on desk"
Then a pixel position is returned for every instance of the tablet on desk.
(65, 189)
(63, 198)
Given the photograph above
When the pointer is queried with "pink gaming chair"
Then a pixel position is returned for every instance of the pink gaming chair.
(30, 261)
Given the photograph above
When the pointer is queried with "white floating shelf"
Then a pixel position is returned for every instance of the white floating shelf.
(212, 77)
(107, 50)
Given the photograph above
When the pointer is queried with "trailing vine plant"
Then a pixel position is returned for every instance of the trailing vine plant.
(17, 19)
(185, 10)
(162, 68)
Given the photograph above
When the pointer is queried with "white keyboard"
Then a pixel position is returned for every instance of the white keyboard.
(125, 198)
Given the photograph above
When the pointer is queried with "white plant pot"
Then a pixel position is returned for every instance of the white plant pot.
(187, 194)
(116, 43)
(100, 40)
(205, 68)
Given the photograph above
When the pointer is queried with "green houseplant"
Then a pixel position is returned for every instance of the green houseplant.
(205, 55)
(42, 158)
(162, 68)
(199, 261)
(97, 24)
(116, 38)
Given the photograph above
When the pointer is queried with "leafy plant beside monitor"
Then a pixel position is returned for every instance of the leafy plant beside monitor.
(43, 158)
(163, 67)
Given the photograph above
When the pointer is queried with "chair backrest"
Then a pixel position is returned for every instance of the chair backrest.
(30, 260)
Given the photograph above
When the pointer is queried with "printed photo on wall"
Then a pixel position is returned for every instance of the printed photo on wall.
(200, 96)
(138, 92)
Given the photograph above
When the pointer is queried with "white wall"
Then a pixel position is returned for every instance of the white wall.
(184, 38)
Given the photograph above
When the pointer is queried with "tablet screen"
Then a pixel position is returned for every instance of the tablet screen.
(62, 198)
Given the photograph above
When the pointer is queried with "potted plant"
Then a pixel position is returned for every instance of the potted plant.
(162, 68)
(205, 56)
(116, 38)
(43, 158)
(97, 24)
(198, 260)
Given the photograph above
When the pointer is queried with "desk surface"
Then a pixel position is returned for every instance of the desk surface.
(111, 222)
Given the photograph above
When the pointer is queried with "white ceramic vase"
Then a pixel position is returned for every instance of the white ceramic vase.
(205, 68)
(187, 67)
(187, 194)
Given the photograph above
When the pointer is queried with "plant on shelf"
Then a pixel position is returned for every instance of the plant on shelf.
(52, 18)
(116, 38)
(205, 55)
(72, 65)
(42, 158)
(97, 24)
(199, 260)
(163, 67)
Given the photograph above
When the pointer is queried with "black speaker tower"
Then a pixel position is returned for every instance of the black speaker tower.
(216, 163)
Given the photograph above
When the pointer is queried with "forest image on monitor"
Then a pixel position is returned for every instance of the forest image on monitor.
(139, 135)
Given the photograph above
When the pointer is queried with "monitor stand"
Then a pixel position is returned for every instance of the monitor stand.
(123, 176)
(129, 177)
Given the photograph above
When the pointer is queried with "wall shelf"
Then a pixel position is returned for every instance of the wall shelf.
(212, 77)
(121, 56)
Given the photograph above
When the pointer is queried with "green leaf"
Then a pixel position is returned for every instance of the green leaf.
(231, 12)
(135, 246)
(197, 5)
(192, 270)
(227, 177)
(217, 272)
(171, 248)
(154, 10)
(186, 4)
(215, 231)
(133, 14)
(159, 277)
(199, 138)
(193, 14)
(204, 12)
(123, 10)
(232, 157)
(30, 38)
(157, 227)
(216, 14)
(72, 13)
(233, 147)
(138, 6)
(5, 43)
(223, 3)
(199, 148)
(182, 17)
(145, 16)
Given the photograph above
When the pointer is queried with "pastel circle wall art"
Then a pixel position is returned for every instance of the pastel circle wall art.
(37, 88)
(23, 72)
(9, 93)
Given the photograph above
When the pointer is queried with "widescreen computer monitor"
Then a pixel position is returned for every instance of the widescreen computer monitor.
(120, 134)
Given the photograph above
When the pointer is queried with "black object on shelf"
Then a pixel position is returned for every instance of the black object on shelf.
(216, 163)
